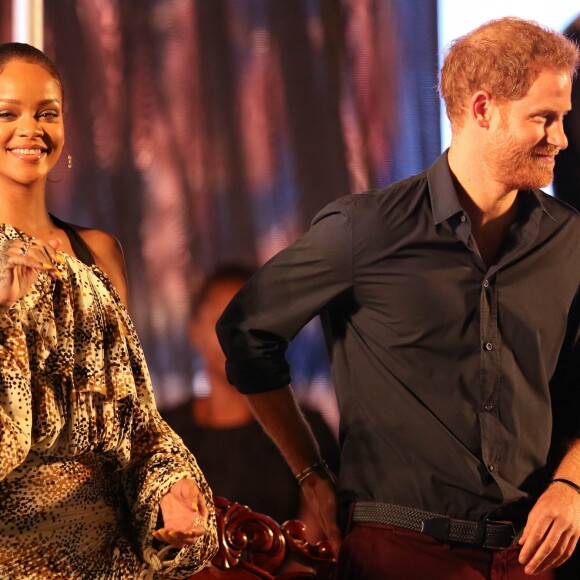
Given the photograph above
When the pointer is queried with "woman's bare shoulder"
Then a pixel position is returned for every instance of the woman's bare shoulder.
(108, 255)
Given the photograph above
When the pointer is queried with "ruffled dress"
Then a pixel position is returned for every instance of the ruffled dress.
(84, 456)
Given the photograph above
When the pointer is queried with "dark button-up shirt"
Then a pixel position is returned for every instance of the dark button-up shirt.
(452, 377)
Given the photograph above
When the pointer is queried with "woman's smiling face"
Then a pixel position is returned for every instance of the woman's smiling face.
(31, 124)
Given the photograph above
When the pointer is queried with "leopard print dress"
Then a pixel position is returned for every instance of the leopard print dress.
(84, 456)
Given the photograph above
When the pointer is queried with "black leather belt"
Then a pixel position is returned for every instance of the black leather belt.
(495, 535)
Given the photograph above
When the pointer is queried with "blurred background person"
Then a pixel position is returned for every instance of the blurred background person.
(237, 457)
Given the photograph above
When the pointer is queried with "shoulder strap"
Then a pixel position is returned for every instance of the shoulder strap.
(79, 246)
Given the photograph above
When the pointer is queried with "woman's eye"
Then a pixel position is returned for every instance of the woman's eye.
(49, 114)
(6, 114)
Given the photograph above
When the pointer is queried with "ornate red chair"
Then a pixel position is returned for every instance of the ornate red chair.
(253, 545)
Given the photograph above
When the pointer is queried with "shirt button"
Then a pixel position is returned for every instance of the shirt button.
(488, 346)
(488, 407)
(463, 218)
(485, 283)
(490, 467)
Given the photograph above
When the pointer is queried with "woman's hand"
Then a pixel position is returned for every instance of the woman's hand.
(20, 263)
(184, 514)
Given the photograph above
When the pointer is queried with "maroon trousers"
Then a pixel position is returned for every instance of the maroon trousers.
(379, 552)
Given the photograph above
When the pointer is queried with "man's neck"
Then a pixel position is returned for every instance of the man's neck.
(481, 196)
(491, 207)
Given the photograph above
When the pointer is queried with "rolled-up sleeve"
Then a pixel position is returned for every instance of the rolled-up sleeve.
(283, 296)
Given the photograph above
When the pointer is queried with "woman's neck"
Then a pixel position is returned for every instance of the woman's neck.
(24, 207)
(27, 215)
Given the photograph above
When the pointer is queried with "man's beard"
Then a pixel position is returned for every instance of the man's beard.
(520, 168)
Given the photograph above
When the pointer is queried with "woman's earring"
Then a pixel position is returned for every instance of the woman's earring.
(60, 168)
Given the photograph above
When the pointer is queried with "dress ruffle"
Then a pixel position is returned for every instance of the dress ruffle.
(75, 392)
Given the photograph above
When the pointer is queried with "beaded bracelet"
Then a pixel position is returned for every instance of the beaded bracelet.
(567, 482)
(318, 467)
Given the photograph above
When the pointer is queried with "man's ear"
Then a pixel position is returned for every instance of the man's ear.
(480, 108)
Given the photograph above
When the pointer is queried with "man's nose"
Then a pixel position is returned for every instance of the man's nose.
(557, 136)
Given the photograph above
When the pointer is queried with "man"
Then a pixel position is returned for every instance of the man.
(450, 302)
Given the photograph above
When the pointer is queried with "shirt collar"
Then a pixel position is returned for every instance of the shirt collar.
(444, 200)
(536, 197)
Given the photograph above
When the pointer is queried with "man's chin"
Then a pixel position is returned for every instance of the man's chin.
(535, 181)
(545, 181)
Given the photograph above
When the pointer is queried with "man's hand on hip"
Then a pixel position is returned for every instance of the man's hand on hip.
(552, 529)
(320, 493)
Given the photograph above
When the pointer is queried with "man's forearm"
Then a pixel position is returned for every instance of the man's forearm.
(280, 416)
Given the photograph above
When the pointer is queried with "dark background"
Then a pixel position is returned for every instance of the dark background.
(212, 131)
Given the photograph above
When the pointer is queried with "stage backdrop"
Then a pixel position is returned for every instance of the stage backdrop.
(212, 131)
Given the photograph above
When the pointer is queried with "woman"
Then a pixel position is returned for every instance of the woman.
(93, 484)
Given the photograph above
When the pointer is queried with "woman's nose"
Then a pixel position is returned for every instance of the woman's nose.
(30, 127)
